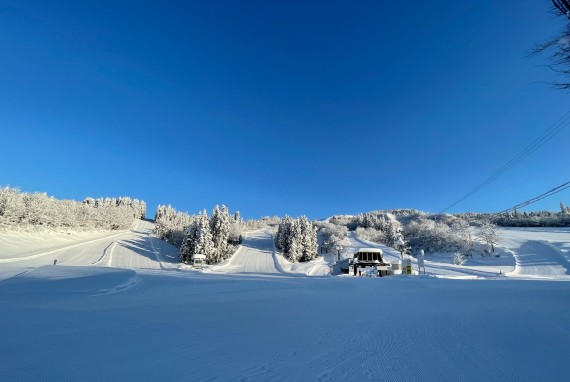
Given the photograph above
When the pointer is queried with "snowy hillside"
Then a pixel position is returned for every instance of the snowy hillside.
(120, 307)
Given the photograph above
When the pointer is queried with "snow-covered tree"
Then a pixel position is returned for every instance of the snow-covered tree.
(309, 245)
(283, 231)
(465, 232)
(170, 224)
(293, 249)
(297, 239)
(187, 249)
(198, 240)
(488, 233)
(332, 235)
(220, 229)
(40, 210)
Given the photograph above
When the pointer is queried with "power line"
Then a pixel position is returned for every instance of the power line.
(548, 193)
(556, 128)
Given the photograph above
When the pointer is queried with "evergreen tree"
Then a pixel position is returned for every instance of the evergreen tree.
(293, 245)
(309, 246)
(220, 230)
(187, 250)
(203, 243)
(283, 233)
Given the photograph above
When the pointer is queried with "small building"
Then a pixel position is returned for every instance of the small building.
(198, 261)
(367, 261)
(340, 267)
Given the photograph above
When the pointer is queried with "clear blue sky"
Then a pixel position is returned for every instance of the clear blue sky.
(298, 107)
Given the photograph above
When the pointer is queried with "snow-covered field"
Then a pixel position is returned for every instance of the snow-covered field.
(119, 307)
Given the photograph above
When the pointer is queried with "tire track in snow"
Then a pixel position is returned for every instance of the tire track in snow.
(104, 253)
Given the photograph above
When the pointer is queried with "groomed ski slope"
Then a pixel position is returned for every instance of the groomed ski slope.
(255, 255)
(121, 308)
(93, 323)
(133, 249)
(539, 252)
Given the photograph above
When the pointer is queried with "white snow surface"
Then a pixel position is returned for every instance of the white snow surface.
(118, 306)
(539, 252)
(255, 255)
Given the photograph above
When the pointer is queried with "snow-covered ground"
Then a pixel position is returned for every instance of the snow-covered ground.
(539, 252)
(136, 249)
(255, 255)
(258, 255)
(118, 307)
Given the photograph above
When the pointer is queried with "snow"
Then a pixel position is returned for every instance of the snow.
(136, 249)
(120, 307)
(255, 255)
(539, 252)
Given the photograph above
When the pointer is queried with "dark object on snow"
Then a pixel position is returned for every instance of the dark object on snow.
(55, 262)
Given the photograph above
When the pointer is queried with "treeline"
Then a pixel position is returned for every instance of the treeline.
(22, 209)
(297, 238)
(526, 218)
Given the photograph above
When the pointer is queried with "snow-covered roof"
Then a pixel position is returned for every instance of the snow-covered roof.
(371, 250)
(198, 256)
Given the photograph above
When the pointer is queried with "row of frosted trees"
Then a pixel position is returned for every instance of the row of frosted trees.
(33, 210)
(216, 236)
(297, 239)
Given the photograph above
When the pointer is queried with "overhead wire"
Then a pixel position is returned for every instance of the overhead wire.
(548, 193)
(556, 128)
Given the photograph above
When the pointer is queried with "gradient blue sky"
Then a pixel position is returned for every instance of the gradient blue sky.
(274, 107)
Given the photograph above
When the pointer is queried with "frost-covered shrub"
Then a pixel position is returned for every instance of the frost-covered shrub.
(458, 258)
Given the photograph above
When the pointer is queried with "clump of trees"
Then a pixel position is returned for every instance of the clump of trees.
(215, 237)
(33, 210)
(378, 227)
(449, 234)
(171, 224)
(332, 235)
(297, 239)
